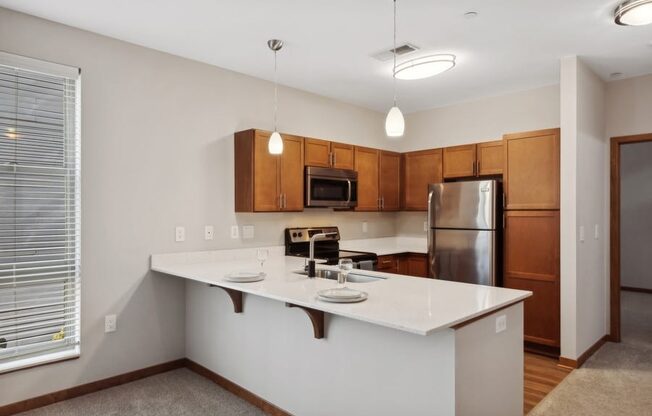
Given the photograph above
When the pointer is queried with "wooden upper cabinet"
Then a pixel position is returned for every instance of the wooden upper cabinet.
(328, 154)
(291, 173)
(266, 189)
(459, 161)
(490, 158)
(366, 164)
(343, 155)
(420, 169)
(317, 153)
(531, 175)
(532, 263)
(265, 182)
(389, 181)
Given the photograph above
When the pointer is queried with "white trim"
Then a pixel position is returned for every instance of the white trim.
(41, 359)
(36, 65)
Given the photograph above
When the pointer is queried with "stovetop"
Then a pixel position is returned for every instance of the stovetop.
(297, 243)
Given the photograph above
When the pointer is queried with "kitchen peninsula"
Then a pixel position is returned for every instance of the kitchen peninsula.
(415, 346)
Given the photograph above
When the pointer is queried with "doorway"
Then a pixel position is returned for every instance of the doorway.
(637, 143)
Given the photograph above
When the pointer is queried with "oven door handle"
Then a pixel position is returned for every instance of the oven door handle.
(348, 199)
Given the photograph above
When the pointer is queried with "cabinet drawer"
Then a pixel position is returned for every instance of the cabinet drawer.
(388, 264)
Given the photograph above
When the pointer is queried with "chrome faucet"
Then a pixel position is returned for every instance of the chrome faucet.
(311, 260)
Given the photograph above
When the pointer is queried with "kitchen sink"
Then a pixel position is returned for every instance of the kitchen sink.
(353, 277)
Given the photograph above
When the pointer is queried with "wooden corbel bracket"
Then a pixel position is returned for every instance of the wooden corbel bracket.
(316, 317)
(236, 297)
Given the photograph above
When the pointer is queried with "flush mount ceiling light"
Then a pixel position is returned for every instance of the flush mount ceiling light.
(394, 122)
(634, 13)
(275, 145)
(424, 67)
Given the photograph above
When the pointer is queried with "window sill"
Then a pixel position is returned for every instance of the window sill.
(30, 362)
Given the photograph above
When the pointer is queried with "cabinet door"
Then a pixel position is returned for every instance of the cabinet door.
(420, 169)
(317, 152)
(532, 263)
(417, 265)
(266, 170)
(291, 173)
(343, 155)
(459, 161)
(390, 181)
(531, 176)
(366, 164)
(490, 158)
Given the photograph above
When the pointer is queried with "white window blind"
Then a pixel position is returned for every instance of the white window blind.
(39, 212)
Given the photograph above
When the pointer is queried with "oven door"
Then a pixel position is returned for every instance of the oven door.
(335, 188)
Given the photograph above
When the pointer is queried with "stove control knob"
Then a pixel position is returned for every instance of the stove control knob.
(300, 234)
(294, 234)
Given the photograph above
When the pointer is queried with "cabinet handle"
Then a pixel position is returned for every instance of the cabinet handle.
(334, 159)
(382, 202)
(478, 167)
(285, 201)
(504, 200)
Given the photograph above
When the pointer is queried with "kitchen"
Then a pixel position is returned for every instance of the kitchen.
(162, 173)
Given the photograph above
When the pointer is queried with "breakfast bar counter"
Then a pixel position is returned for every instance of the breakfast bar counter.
(415, 346)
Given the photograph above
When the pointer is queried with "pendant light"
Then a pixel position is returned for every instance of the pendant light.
(394, 123)
(275, 145)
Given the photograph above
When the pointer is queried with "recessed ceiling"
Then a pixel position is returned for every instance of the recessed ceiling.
(511, 45)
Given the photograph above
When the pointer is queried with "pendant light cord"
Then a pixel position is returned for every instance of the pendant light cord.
(275, 92)
(394, 53)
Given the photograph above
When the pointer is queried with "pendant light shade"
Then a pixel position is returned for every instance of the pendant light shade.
(394, 123)
(275, 145)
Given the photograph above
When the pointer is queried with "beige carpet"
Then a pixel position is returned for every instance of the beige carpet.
(617, 380)
(179, 392)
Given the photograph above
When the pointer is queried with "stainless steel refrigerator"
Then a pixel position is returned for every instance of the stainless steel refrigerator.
(464, 236)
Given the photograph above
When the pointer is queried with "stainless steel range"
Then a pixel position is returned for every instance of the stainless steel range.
(297, 243)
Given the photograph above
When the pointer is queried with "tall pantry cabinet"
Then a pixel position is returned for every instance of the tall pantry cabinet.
(531, 260)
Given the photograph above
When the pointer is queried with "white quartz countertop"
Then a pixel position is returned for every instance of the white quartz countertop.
(416, 305)
(387, 245)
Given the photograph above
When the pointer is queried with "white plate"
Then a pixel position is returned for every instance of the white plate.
(340, 293)
(244, 277)
(363, 296)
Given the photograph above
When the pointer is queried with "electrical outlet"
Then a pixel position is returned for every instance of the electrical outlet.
(425, 226)
(235, 232)
(596, 232)
(248, 232)
(581, 233)
(179, 234)
(501, 323)
(365, 226)
(110, 323)
(209, 232)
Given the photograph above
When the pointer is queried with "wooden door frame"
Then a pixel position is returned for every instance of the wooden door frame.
(614, 228)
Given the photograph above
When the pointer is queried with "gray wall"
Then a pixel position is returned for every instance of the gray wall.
(636, 215)
(157, 151)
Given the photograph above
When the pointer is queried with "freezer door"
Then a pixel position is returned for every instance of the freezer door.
(467, 205)
(463, 256)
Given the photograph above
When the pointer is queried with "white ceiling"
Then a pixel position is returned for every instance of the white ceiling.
(512, 44)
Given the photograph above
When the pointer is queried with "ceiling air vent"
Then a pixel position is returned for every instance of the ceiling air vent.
(401, 50)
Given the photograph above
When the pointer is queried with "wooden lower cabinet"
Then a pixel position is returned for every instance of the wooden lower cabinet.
(532, 263)
(410, 264)
(388, 264)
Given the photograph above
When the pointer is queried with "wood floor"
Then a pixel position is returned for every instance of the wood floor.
(542, 374)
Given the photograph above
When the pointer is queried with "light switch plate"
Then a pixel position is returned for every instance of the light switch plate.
(581, 233)
(501, 323)
(235, 232)
(248, 232)
(209, 232)
(596, 232)
(179, 234)
(365, 226)
(425, 226)
(110, 323)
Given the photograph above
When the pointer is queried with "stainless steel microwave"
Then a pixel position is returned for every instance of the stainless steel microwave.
(333, 188)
